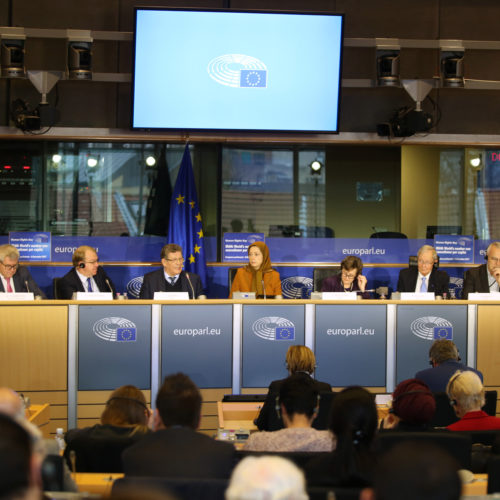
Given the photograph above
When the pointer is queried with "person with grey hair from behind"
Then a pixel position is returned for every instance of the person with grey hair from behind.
(266, 478)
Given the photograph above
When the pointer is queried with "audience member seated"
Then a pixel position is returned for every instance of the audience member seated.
(413, 406)
(445, 361)
(354, 424)
(299, 360)
(298, 403)
(124, 421)
(350, 278)
(45, 449)
(20, 466)
(466, 393)
(486, 277)
(415, 471)
(267, 477)
(258, 276)
(424, 277)
(175, 449)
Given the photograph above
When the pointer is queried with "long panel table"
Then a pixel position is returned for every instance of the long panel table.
(67, 352)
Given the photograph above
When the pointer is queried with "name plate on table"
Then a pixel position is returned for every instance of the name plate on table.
(413, 296)
(339, 296)
(17, 296)
(171, 296)
(243, 295)
(484, 296)
(92, 296)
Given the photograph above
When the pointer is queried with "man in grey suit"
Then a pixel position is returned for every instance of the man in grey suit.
(486, 277)
(176, 449)
(171, 278)
(13, 277)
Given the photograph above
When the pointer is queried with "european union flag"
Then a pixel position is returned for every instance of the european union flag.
(185, 227)
(126, 335)
(443, 332)
(253, 78)
(285, 333)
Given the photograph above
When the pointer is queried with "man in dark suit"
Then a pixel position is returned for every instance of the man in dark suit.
(424, 277)
(13, 277)
(171, 278)
(486, 277)
(176, 449)
(445, 361)
(86, 276)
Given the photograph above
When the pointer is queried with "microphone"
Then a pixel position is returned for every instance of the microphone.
(26, 285)
(264, 290)
(109, 286)
(190, 284)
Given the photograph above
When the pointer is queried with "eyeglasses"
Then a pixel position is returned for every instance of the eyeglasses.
(92, 261)
(348, 276)
(496, 260)
(180, 260)
(10, 267)
(426, 262)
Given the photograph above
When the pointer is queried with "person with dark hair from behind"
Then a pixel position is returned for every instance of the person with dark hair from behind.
(298, 403)
(486, 277)
(445, 361)
(171, 278)
(466, 393)
(124, 421)
(299, 360)
(20, 467)
(350, 279)
(415, 471)
(354, 424)
(413, 407)
(175, 448)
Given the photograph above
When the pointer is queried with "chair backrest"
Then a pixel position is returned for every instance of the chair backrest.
(493, 470)
(182, 488)
(490, 405)
(459, 446)
(413, 261)
(320, 273)
(445, 414)
(389, 235)
(55, 288)
(275, 423)
(231, 273)
(53, 473)
(299, 458)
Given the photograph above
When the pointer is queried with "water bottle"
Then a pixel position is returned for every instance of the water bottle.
(60, 439)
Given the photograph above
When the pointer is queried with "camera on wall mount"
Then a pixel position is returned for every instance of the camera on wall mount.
(410, 120)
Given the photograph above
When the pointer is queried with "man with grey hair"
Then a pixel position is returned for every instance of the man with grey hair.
(13, 277)
(445, 361)
(425, 277)
(486, 277)
(266, 477)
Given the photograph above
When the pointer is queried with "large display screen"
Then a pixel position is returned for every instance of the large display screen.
(231, 70)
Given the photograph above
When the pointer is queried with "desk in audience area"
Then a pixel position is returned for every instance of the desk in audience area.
(71, 354)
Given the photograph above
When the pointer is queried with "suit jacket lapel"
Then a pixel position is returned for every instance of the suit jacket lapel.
(485, 285)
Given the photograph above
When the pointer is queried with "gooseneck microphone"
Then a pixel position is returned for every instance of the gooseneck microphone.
(190, 284)
(264, 290)
(26, 285)
(109, 286)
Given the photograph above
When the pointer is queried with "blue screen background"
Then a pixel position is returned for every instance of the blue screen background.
(173, 88)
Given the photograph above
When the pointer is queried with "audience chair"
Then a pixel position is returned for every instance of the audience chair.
(459, 446)
(320, 273)
(389, 235)
(231, 273)
(299, 458)
(493, 470)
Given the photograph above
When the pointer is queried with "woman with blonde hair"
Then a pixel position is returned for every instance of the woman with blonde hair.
(300, 360)
(466, 393)
(123, 422)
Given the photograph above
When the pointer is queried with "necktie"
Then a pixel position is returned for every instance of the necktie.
(423, 288)
(89, 285)
(172, 281)
(9, 288)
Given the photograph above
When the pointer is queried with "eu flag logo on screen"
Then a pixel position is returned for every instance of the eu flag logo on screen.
(253, 78)
(126, 335)
(443, 332)
(285, 333)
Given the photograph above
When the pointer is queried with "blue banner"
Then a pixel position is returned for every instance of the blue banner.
(235, 245)
(452, 248)
(32, 246)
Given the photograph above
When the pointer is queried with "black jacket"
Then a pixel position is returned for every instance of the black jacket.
(24, 282)
(156, 282)
(71, 283)
(438, 281)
